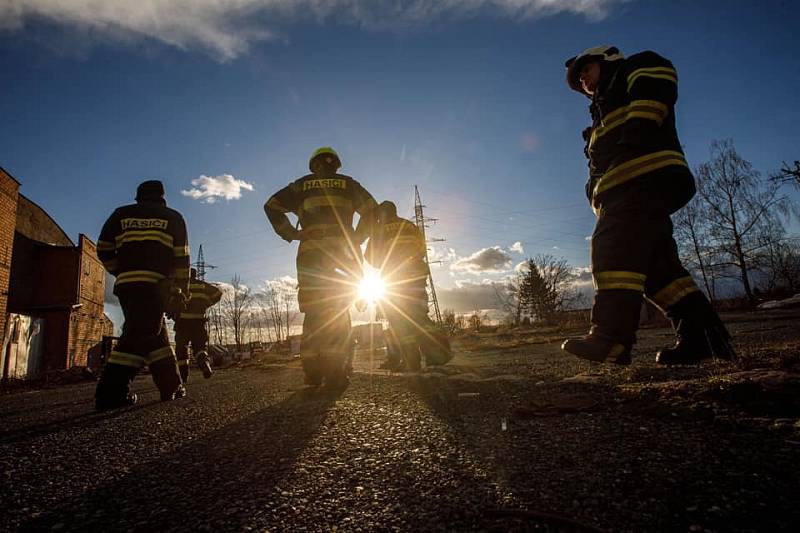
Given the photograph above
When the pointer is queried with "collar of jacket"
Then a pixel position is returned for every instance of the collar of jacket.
(152, 201)
(608, 73)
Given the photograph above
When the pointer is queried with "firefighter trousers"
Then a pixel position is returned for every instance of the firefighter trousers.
(326, 347)
(411, 330)
(189, 331)
(144, 341)
(633, 255)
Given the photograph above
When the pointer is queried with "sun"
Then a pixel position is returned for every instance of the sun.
(371, 288)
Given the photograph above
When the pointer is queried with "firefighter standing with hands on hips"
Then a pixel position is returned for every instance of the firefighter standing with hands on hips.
(144, 245)
(397, 249)
(638, 177)
(328, 259)
(190, 326)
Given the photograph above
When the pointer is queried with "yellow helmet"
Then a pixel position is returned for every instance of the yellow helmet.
(325, 150)
(597, 53)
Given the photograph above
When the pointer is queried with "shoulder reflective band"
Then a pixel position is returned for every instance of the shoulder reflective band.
(105, 246)
(181, 251)
(274, 205)
(144, 235)
(661, 73)
(619, 279)
(675, 292)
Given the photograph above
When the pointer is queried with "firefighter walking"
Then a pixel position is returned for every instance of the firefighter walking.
(144, 246)
(638, 177)
(190, 326)
(328, 259)
(397, 249)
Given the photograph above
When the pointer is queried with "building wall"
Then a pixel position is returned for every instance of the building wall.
(88, 323)
(9, 195)
(34, 222)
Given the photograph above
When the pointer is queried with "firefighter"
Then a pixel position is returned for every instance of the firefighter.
(190, 326)
(397, 249)
(328, 259)
(144, 246)
(638, 177)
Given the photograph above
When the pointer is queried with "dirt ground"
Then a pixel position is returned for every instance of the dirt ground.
(512, 435)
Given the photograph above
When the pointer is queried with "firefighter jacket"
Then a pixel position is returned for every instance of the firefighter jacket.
(397, 248)
(633, 128)
(324, 208)
(202, 295)
(145, 242)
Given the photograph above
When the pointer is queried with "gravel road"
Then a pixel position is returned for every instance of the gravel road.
(472, 447)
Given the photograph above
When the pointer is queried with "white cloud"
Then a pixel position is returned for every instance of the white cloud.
(208, 189)
(438, 256)
(517, 247)
(492, 259)
(227, 28)
(468, 295)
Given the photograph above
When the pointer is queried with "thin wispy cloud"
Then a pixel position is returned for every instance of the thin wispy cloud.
(228, 28)
(209, 189)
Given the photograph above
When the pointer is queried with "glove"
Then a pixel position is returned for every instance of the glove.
(176, 304)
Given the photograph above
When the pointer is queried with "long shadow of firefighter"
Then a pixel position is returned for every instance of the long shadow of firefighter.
(245, 465)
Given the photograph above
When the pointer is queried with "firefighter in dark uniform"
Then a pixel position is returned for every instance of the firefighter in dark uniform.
(144, 245)
(638, 177)
(328, 259)
(397, 249)
(190, 326)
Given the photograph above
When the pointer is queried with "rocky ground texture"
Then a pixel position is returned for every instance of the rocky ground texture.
(510, 436)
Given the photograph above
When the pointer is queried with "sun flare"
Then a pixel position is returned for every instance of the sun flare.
(371, 288)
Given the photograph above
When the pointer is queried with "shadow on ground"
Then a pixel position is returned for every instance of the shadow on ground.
(216, 481)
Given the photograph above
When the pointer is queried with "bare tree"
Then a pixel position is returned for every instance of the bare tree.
(692, 236)
(275, 302)
(235, 306)
(508, 298)
(788, 174)
(217, 326)
(452, 323)
(739, 205)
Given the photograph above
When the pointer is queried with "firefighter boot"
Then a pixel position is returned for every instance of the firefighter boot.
(167, 379)
(113, 388)
(701, 334)
(412, 357)
(336, 370)
(204, 364)
(312, 368)
(594, 347)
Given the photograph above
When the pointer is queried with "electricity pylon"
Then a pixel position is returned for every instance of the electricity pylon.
(422, 223)
(201, 264)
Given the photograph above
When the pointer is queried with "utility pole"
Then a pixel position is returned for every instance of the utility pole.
(201, 265)
(422, 223)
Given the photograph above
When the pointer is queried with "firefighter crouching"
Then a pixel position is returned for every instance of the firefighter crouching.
(396, 248)
(190, 326)
(638, 177)
(144, 245)
(328, 260)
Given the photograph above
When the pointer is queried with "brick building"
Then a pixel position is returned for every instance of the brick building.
(51, 308)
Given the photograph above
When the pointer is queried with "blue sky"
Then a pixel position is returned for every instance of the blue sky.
(465, 99)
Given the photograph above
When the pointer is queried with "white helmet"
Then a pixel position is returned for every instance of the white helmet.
(574, 65)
